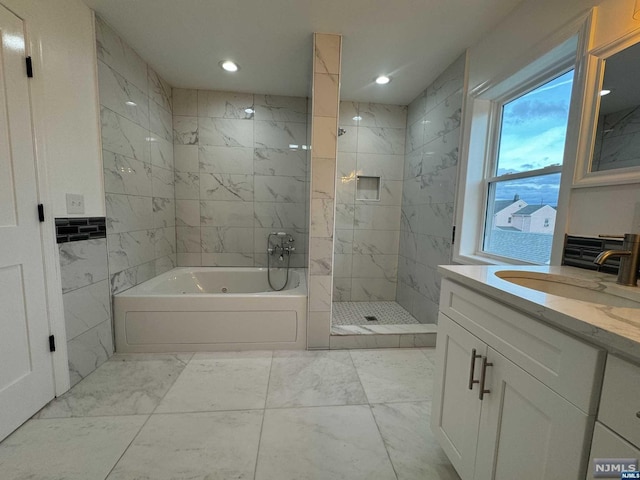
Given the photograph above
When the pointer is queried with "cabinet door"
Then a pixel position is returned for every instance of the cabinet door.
(527, 431)
(606, 444)
(456, 408)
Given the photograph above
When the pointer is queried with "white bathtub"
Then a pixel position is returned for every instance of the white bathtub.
(212, 308)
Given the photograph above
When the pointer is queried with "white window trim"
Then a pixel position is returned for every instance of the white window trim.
(565, 50)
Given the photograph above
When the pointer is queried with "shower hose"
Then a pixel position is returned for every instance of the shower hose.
(269, 265)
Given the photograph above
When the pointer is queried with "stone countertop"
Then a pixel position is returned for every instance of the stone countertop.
(616, 329)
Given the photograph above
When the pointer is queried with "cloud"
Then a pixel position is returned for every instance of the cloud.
(534, 110)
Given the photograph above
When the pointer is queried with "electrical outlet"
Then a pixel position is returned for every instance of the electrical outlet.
(75, 203)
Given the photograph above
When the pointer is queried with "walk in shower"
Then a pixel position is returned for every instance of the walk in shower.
(395, 186)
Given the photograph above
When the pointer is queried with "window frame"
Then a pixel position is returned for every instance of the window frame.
(481, 133)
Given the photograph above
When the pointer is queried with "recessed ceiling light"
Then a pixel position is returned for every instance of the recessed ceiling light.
(229, 66)
(604, 92)
(357, 118)
(133, 104)
(383, 80)
(249, 110)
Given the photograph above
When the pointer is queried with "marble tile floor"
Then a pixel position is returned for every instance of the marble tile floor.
(386, 313)
(347, 414)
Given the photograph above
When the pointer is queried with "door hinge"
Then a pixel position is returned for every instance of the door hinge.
(453, 235)
(29, 67)
(52, 343)
(41, 212)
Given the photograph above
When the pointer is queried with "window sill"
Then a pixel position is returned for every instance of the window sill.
(485, 260)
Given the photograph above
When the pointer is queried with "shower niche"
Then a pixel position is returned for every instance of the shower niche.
(367, 188)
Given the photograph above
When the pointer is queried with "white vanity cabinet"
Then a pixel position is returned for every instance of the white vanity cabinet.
(617, 431)
(535, 417)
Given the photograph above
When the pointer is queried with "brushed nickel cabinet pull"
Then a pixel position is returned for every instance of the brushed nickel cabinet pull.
(483, 377)
(472, 370)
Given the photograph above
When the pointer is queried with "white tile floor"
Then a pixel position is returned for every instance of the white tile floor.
(359, 414)
(386, 313)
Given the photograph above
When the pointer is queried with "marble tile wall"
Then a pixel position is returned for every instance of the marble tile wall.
(241, 172)
(325, 99)
(87, 305)
(430, 170)
(617, 140)
(136, 117)
(367, 232)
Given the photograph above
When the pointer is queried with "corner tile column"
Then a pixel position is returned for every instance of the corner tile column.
(324, 143)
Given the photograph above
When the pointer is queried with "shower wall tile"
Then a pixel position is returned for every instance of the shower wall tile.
(86, 307)
(82, 263)
(321, 263)
(161, 153)
(226, 214)
(327, 50)
(128, 212)
(138, 164)
(185, 130)
(279, 134)
(125, 175)
(274, 188)
(122, 136)
(164, 212)
(228, 259)
(225, 132)
(280, 109)
(327, 87)
(159, 90)
(385, 116)
(227, 240)
(113, 51)
(381, 140)
(430, 173)
(319, 330)
(185, 102)
(89, 350)
(160, 122)
(122, 97)
(282, 162)
(320, 293)
(215, 104)
(186, 158)
(187, 185)
(324, 137)
(238, 175)
(233, 160)
(225, 187)
(324, 181)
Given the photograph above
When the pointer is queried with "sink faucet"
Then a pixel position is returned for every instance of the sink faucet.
(629, 259)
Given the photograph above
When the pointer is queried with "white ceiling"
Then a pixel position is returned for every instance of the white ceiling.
(271, 40)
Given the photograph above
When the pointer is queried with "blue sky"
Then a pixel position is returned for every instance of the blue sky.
(533, 136)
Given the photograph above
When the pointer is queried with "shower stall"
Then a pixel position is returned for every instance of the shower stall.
(395, 186)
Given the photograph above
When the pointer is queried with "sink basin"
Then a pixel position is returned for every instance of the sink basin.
(568, 287)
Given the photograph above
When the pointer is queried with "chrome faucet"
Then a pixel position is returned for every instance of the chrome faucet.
(629, 259)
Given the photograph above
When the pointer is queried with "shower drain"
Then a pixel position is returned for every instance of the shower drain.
(371, 318)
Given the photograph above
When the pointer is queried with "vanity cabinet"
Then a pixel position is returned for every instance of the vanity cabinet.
(514, 398)
(617, 431)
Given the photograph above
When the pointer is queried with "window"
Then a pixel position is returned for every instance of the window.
(524, 181)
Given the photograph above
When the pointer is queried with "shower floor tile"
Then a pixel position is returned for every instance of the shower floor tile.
(386, 313)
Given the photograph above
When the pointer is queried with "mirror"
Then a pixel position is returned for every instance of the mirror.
(617, 136)
(609, 145)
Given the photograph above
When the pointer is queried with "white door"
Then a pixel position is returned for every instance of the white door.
(456, 405)
(527, 431)
(26, 371)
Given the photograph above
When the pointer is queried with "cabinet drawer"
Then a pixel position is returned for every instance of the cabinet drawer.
(565, 364)
(620, 401)
(606, 444)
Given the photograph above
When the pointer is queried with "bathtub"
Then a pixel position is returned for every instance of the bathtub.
(210, 309)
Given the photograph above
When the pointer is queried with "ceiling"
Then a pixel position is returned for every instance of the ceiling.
(271, 40)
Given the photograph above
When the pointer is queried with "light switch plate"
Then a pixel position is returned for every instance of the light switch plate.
(75, 203)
